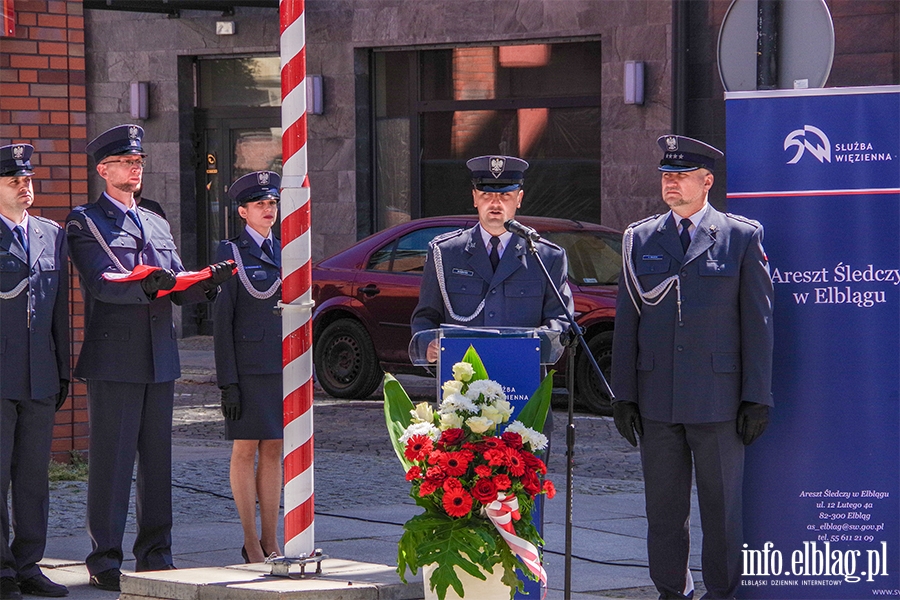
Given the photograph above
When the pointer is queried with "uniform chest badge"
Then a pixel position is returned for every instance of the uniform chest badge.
(463, 272)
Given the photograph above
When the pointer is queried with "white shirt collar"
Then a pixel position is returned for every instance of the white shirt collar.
(12, 225)
(695, 218)
(486, 239)
(258, 238)
(119, 205)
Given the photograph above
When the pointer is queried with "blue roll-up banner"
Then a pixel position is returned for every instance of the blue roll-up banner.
(820, 170)
(514, 363)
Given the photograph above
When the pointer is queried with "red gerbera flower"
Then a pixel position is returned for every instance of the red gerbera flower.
(484, 491)
(514, 462)
(492, 442)
(483, 471)
(413, 473)
(457, 503)
(456, 463)
(418, 447)
(550, 489)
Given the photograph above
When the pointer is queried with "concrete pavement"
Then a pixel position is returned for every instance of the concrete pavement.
(362, 500)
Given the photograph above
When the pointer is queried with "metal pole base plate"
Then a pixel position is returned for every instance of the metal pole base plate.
(281, 565)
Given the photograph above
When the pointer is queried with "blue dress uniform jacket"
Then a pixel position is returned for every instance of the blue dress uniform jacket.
(34, 357)
(247, 334)
(699, 367)
(127, 336)
(45, 333)
(247, 330)
(516, 295)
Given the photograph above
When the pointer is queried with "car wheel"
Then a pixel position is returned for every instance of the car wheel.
(591, 391)
(346, 365)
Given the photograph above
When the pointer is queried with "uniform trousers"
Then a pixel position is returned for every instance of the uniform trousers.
(26, 434)
(669, 453)
(129, 419)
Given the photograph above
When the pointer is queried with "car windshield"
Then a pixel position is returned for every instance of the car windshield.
(595, 257)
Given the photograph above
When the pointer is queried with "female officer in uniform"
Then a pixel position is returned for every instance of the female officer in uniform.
(247, 334)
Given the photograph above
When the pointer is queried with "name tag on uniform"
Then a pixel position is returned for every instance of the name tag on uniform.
(463, 272)
(652, 257)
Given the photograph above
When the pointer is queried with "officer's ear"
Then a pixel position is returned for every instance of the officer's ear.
(708, 180)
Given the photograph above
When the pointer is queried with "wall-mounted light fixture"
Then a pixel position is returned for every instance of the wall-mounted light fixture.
(634, 82)
(140, 100)
(315, 104)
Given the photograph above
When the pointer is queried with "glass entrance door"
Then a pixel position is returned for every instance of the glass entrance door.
(232, 146)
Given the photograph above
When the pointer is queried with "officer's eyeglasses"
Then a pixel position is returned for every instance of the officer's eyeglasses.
(129, 164)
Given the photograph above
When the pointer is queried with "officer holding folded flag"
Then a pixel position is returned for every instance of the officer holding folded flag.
(129, 357)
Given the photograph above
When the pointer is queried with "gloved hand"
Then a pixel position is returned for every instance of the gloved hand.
(220, 272)
(752, 420)
(628, 420)
(231, 401)
(63, 393)
(160, 279)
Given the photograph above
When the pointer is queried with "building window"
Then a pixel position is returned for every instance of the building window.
(435, 109)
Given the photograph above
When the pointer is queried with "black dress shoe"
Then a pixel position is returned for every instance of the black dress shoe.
(107, 580)
(40, 585)
(9, 589)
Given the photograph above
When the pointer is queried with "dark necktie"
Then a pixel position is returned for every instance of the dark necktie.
(495, 255)
(685, 234)
(20, 235)
(132, 213)
(267, 249)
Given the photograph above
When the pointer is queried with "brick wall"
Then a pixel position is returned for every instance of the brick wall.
(42, 103)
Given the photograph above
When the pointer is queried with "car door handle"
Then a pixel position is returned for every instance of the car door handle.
(370, 290)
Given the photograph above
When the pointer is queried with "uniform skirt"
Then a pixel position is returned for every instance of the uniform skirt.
(261, 409)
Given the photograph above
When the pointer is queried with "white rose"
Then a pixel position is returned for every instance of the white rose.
(452, 387)
(451, 421)
(479, 424)
(422, 413)
(463, 371)
(490, 412)
(504, 408)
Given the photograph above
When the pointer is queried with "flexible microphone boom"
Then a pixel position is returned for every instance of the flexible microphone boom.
(523, 231)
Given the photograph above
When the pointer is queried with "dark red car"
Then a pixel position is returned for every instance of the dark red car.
(366, 294)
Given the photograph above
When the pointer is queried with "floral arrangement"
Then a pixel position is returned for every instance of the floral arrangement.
(477, 484)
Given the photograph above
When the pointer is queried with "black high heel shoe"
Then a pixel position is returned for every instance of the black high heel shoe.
(244, 554)
(266, 553)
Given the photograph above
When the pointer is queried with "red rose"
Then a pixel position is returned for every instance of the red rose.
(413, 473)
(549, 489)
(484, 491)
(452, 437)
(512, 439)
(418, 447)
(457, 503)
(534, 463)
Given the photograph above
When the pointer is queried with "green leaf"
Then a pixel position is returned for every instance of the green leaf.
(471, 357)
(397, 417)
(534, 413)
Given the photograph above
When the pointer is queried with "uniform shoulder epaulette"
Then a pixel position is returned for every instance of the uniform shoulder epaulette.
(48, 221)
(548, 243)
(233, 239)
(642, 221)
(446, 236)
(743, 219)
(147, 211)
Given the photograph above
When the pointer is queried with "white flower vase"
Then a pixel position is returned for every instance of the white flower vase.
(474, 589)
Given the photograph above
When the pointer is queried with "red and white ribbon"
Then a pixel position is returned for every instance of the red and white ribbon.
(502, 512)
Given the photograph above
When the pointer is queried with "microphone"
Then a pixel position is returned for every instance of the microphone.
(523, 231)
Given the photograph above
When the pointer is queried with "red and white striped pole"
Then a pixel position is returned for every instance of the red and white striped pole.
(296, 304)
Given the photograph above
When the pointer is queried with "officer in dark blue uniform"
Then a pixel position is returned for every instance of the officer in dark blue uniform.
(129, 357)
(692, 367)
(34, 370)
(247, 330)
(485, 276)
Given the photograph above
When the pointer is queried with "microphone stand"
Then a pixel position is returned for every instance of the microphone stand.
(576, 333)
